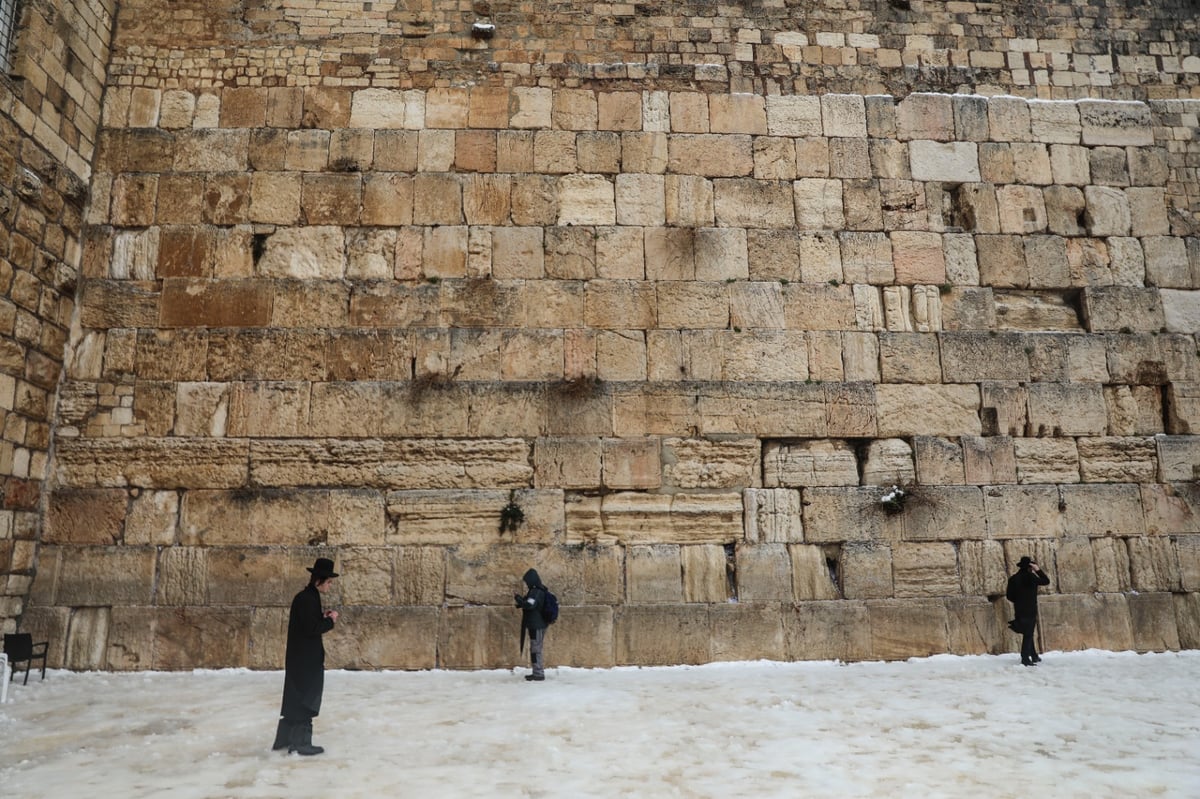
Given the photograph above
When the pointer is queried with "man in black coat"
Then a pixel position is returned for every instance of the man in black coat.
(1023, 593)
(532, 622)
(304, 663)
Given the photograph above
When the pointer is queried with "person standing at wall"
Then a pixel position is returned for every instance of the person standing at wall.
(533, 622)
(1023, 594)
(304, 662)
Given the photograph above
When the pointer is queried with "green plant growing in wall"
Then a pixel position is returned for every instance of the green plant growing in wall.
(511, 515)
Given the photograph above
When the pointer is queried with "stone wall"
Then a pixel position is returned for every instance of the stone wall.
(696, 338)
(693, 286)
(49, 117)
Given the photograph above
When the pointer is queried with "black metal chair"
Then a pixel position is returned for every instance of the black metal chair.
(20, 648)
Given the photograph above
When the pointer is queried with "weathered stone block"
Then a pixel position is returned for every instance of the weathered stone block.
(1115, 123)
(744, 632)
(981, 567)
(837, 630)
(386, 638)
(661, 636)
(1153, 565)
(1111, 556)
(1085, 621)
(652, 575)
(773, 515)
(706, 573)
(904, 629)
(86, 517)
(952, 162)
(763, 573)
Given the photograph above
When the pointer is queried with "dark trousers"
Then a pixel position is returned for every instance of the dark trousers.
(1028, 648)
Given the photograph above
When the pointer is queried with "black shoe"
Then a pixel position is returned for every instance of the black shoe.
(1028, 663)
(1037, 659)
(534, 677)
(302, 740)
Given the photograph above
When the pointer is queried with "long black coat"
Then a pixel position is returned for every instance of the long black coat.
(304, 663)
(1023, 593)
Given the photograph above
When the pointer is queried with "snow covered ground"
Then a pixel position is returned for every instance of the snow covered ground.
(1085, 724)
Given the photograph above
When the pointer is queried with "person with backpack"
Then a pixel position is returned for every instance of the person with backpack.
(539, 609)
(1023, 593)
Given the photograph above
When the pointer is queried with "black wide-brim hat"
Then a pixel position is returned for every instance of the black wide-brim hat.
(1023, 562)
(323, 569)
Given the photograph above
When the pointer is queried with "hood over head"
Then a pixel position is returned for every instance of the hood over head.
(531, 579)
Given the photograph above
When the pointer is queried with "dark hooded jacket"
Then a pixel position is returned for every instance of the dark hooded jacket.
(531, 605)
(304, 663)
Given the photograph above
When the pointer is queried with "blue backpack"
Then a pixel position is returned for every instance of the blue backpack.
(549, 607)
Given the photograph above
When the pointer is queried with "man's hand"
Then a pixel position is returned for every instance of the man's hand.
(331, 614)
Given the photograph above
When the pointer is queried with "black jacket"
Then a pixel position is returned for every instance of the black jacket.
(531, 605)
(1023, 592)
(304, 663)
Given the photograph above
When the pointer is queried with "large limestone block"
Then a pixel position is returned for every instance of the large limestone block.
(367, 575)
(1118, 460)
(902, 629)
(941, 513)
(86, 637)
(640, 199)
(1170, 509)
(652, 575)
(1107, 122)
(756, 304)
(950, 162)
(720, 254)
(746, 632)
(1067, 409)
(479, 638)
(865, 571)
(1075, 566)
(812, 576)
(737, 113)
(282, 517)
(844, 116)
(567, 462)
(749, 203)
(918, 257)
(706, 573)
(989, 460)
(651, 635)
(1056, 121)
(981, 568)
(385, 638)
(925, 116)
(763, 573)
(1178, 458)
(1022, 209)
(152, 463)
(1187, 619)
(773, 515)
(822, 462)
(489, 573)
(634, 518)
(261, 409)
(848, 513)
(1153, 564)
(153, 518)
(949, 410)
(99, 576)
(1108, 212)
(1181, 310)
(419, 575)
(1023, 511)
(1152, 618)
(1111, 556)
(407, 464)
(1008, 119)
(888, 462)
(925, 570)
(1187, 549)
(793, 115)
(387, 108)
(705, 463)
(253, 576)
(459, 517)
(711, 155)
(631, 463)
(939, 461)
(1085, 621)
(1046, 460)
(204, 638)
(86, 517)
(819, 204)
(689, 200)
(183, 576)
(909, 358)
(836, 630)
(973, 627)
(582, 638)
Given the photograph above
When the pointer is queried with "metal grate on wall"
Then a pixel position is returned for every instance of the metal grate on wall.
(8, 32)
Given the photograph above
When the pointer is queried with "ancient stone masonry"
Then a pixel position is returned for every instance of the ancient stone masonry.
(789, 329)
(49, 117)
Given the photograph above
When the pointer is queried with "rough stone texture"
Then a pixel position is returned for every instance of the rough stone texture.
(692, 323)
